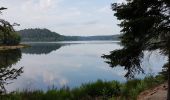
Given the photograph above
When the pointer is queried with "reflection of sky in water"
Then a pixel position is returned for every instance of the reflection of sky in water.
(153, 62)
(73, 65)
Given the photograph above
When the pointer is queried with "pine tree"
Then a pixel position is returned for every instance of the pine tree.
(7, 32)
(145, 26)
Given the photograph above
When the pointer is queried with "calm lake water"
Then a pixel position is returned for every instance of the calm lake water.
(71, 64)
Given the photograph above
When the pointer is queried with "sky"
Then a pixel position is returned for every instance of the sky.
(66, 17)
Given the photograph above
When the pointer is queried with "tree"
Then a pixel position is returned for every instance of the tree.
(145, 26)
(7, 32)
(8, 57)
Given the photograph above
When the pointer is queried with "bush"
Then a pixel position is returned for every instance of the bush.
(100, 90)
(14, 38)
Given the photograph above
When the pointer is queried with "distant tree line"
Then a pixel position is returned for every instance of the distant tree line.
(39, 35)
(47, 35)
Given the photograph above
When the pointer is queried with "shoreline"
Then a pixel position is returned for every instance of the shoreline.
(6, 47)
(99, 90)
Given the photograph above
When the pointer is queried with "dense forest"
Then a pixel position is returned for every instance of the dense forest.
(47, 35)
(39, 35)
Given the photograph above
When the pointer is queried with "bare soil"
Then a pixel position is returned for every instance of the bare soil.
(156, 93)
(12, 47)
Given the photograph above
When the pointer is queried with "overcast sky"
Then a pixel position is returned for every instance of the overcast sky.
(67, 17)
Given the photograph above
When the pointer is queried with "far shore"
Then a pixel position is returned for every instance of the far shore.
(6, 47)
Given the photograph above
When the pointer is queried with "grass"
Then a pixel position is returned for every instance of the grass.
(100, 90)
(131, 89)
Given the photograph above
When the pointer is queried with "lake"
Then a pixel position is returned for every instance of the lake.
(71, 64)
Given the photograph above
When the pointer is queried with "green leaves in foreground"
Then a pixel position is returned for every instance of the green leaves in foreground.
(100, 90)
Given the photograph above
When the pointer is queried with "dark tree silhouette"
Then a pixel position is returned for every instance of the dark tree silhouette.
(9, 36)
(145, 26)
(2, 8)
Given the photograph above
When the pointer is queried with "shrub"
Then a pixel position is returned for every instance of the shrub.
(14, 38)
(100, 90)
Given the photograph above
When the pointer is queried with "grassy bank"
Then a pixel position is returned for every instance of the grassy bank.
(6, 47)
(99, 90)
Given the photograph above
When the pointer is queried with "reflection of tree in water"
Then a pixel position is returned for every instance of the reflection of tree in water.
(7, 73)
(42, 48)
(131, 60)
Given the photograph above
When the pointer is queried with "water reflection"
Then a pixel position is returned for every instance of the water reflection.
(135, 63)
(47, 47)
(41, 48)
(57, 64)
(7, 72)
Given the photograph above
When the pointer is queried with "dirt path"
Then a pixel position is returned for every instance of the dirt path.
(157, 93)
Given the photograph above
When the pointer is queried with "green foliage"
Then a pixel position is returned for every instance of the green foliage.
(14, 38)
(164, 71)
(132, 88)
(100, 90)
(8, 36)
(145, 26)
(39, 35)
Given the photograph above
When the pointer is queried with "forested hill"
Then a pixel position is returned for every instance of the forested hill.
(39, 35)
(47, 36)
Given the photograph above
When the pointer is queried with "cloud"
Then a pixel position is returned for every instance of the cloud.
(54, 79)
(74, 17)
(45, 3)
(91, 22)
(105, 9)
(120, 1)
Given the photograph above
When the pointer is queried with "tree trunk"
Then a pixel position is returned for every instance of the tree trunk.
(168, 94)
